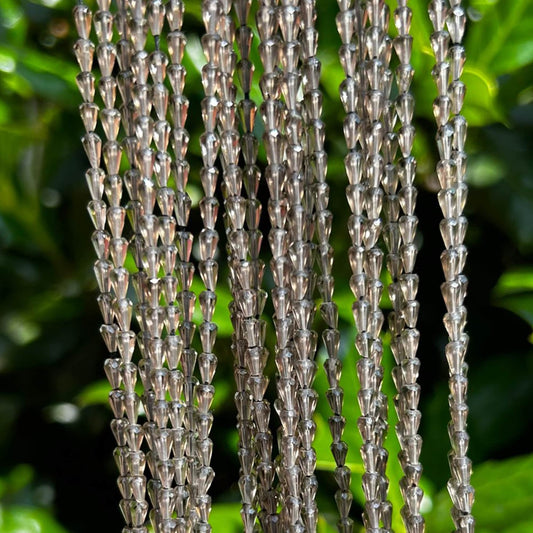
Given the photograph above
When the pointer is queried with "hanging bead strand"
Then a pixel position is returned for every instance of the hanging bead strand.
(150, 315)
(376, 79)
(363, 94)
(162, 348)
(313, 174)
(399, 233)
(350, 27)
(315, 166)
(349, 23)
(134, 208)
(126, 338)
(194, 474)
(451, 168)
(302, 278)
(273, 113)
(177, 288)
(247, 335)
(249, 280)
(200, 419)
(111, 275)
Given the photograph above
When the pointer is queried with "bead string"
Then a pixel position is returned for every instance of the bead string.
(451, 169)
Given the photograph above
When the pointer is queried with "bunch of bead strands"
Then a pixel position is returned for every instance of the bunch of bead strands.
(400, 263)
(177, 257)
(169, 348)
(399, 233)
(150, 315)
(312, 133)
(251, 298)
(349, 26)
(376, 77)
(201, 421)
(272, 111)
(315, 169)
(451, 136)
(112, 275)
(363, 95)
(300, 258)
(247, 335)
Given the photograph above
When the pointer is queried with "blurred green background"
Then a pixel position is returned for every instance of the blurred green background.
(56, 469)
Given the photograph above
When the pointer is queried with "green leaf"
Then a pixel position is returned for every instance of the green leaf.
(19, 519)
(514, 291)
(481, 106)
(484, 170)
(94, 394)
(500, 42)
(514, 281)
(226, 517)
(504, 498)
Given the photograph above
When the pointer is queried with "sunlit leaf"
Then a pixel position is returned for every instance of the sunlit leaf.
(514, 281)
(19, 519)
(504, 498)
(226, 517)
(94, 394)
(500, 42)
(481, 105)
(484, 170)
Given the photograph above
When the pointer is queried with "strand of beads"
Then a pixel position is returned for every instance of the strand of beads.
(451, 168)
(272, 111)
(315, 169)
(376, 78)
(137, 508)
(348, 21)
(350, 27)
(200, 474)
(163, 380)
(112, 278)
(363, 94)
(253, 298)
(177, 288)
(399, 234)
(247, 336)
(300, 253)
(315, 196)
(219, 40)
(146, 282)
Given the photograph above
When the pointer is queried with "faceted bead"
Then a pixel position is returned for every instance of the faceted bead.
(82, 19)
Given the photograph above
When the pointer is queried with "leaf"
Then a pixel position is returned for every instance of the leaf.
(20, 519)
(500, 42)
(94, 394)
(514, 291)
(514, 281)
(484, 170)
(481, 105)
(226, 517)
(504, 498)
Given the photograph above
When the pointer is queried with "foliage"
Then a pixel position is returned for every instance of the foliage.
(55, 446)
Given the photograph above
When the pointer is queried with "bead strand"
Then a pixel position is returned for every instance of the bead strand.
(112, 277)
(451, 169)
(302, 343)
(179, 271)
(400, 232)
